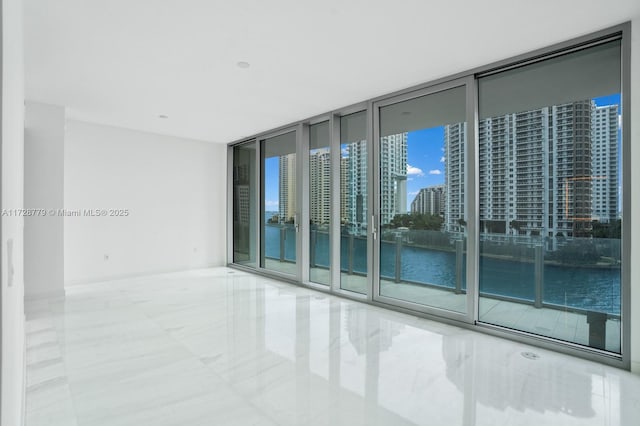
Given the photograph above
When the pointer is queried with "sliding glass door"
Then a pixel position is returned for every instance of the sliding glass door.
(550, 198)
(422, 174)
(279, 224)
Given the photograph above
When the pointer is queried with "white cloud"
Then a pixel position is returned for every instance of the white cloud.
(435, 172)
(271, 203)
(442, 159)
(412, 193)
(414, 170)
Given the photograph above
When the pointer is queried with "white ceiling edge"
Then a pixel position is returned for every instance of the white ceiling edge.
(71, 117)
(124, 63)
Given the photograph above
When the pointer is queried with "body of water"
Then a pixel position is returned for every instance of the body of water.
(585, 288)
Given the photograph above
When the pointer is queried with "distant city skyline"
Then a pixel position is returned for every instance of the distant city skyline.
(425, 163)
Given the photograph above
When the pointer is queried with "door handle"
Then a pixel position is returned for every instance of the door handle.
(374, 231)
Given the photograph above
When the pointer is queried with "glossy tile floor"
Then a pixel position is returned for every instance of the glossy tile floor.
(556, 323)
(223, 347)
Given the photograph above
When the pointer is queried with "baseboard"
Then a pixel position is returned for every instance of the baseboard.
(138, 274)
(45, 295)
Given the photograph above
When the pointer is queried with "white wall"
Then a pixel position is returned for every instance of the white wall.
(11, 406)
(173, 189)
(43, 191)
(635, 195)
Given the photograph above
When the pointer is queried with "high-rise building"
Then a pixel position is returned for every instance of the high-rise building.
(570, 170)
(497, 206)
(287, 187)
(430, 200)
(242, 200)
(344, 189)
(393, 176)
(355, 186)
(242, 203)
(535, 171)
(320, 186)
(455, 136)
(604, 163)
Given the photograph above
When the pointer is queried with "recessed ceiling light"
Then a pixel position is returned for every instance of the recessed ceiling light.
(243, 64)
(163, 116)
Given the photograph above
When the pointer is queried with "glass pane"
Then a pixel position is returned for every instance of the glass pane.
(550, 202)
(279, 203)
(422, 200)
(353, 202)
(319, 203)
(244, 211)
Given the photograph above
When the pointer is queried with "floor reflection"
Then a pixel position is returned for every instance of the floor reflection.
(391, 364)
(226, 346)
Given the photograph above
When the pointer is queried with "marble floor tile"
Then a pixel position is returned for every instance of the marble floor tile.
(225, 347)
(59, 415)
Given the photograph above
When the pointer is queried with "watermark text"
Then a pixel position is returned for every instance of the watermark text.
(65, 212)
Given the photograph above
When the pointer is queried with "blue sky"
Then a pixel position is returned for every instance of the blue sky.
(424, 161)
(611, 100)
(271, 183)
(607, 100)
(424, 151)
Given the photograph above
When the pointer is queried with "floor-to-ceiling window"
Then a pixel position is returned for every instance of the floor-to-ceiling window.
(494, 198)
(422, 209)
(279, 203)
(550, 186)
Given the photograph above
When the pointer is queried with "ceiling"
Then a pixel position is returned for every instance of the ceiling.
(126, 62)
